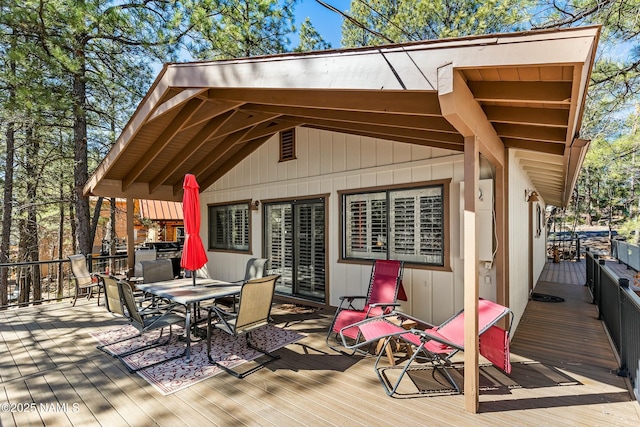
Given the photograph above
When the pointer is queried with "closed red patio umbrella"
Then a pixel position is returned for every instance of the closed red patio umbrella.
(193, 253)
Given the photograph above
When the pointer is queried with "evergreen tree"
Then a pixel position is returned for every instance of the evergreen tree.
(310, 38)
(243, 28)
(377, 22)
(83, 45)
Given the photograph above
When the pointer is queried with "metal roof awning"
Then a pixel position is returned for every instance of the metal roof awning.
(528, 89)
(160, 210)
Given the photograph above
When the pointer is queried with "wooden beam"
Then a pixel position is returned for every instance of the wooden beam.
(244, 136)
(210, 110)
(247, 149)
(471, 287)
(175, 102)
(528, 132)
(525, 157)
(214, 157)
(385, 132)
(397, 138)
(432, 123)
(465, 114)
(530, 92)
(527, 115)
(130, 236)
(228, 127)
(554, 148)
(170, 131)
(384, 101)
(198, 141)
(137, 190)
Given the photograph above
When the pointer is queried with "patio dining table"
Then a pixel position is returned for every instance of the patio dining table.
(184, 292)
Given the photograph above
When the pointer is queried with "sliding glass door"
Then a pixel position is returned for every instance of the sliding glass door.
(295, 245)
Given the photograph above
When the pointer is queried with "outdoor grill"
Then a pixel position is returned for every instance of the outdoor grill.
(168, 250)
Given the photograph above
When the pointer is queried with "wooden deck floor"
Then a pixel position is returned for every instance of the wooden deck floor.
(563, 374)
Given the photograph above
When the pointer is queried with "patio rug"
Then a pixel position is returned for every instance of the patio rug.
(178, 374)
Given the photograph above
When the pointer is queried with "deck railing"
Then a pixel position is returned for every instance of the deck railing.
(626, 253)
(55, 281)
(619, 308)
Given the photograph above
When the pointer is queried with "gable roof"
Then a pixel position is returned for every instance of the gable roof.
(205, 117)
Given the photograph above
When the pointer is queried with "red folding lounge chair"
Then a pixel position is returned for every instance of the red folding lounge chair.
(435, 345)
(385, 282)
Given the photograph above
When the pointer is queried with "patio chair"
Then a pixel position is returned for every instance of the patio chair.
(142, 255)
(255, 269)
(83, 279)
(254, 309)
(114, 305)
(146, 323)
(385, 282)
(157, 270)
(111, 294)
(434, 346)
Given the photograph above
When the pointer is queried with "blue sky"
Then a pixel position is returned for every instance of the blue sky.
(326, 22)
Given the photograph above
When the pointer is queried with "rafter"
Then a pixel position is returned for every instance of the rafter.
(533, 92)
(530, 116)
(196, 142)
(461, 109)
(384, 101)
(230, 163)
(527, 132)
(432, 123)
(170, 131)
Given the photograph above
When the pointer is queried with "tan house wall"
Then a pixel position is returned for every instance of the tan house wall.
(521, 233)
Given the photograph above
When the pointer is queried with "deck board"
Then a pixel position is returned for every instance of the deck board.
(563, 374)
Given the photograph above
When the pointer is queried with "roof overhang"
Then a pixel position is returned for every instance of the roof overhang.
(523, 91)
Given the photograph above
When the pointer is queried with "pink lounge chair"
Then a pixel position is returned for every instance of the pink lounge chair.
(435, 345)
(384, 285)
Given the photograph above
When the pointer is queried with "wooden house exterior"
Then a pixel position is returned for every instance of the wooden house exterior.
(443, 154)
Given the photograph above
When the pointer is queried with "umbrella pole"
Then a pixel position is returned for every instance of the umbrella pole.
(193, 274)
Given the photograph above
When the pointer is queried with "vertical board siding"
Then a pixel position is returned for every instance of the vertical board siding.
(519, 235)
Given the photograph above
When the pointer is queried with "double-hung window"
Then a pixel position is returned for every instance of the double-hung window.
(407, 224)
(229, 227)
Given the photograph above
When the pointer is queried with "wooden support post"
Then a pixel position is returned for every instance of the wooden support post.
(471, 287)
(130, 237)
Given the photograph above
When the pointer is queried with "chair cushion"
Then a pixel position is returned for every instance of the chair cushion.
(383, 289)
(383, 328)
(494, 346)
(436, 346)
(384, 286)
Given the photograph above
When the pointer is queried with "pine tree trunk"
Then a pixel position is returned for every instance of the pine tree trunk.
(7, 200)
(61, 224)
(7, 214)
(31, 226)
(81, 170)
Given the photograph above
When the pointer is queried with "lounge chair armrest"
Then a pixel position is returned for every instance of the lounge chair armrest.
(346, 302)
(351, 297)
